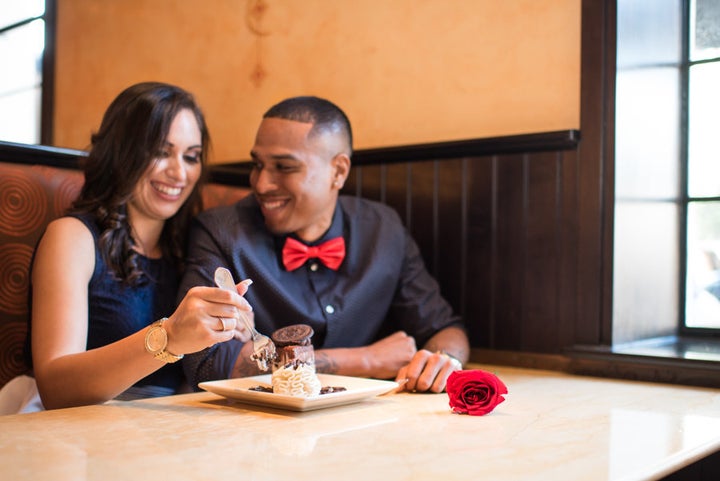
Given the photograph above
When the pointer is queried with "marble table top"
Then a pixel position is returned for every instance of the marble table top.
(553, 426)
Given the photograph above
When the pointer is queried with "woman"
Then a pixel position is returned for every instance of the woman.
(105, 273)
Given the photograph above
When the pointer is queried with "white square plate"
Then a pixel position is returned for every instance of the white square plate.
(357, 389)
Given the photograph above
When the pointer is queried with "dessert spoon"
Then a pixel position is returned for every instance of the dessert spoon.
(264, 350)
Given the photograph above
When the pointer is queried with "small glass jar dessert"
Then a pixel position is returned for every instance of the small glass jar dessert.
(294, 365)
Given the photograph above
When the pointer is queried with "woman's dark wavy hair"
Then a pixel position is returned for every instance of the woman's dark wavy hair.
(131, 136)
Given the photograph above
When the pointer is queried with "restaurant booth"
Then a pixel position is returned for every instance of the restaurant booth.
(518, 231)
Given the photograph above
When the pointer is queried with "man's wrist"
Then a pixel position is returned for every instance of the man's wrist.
(455, 361)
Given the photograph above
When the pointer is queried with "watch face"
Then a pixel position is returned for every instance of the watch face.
(156, 339)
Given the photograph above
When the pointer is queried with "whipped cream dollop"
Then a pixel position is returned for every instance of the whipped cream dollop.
(298, 379)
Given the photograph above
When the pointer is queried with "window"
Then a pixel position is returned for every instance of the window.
(666, 264)
(22, 42)
(648, 203)
(702, 69)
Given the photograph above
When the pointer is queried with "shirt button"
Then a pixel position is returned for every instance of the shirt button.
(314, 266)
(329, 309)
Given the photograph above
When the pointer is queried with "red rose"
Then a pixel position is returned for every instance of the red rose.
(474, 392)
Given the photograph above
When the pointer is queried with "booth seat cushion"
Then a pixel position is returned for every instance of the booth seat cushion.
(215, 195)
(30, 197)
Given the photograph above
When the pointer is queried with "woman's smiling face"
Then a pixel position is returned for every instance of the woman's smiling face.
(173, 174)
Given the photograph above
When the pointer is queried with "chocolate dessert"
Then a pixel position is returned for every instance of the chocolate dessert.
(293, 345)
(294, 367)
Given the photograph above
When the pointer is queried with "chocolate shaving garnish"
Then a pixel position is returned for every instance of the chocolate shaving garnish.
(261, 389)
(331, 389)
(323, 390)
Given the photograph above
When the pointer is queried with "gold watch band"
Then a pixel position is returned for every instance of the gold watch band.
(167, 356)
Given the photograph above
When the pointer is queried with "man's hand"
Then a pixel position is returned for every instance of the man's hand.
(427, 371)
(430, 367)
(391, 353)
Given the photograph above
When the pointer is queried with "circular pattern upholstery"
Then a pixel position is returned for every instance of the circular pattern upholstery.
(30, 197)
(12, 356)
(23, 203)
(67, 191)
(14, 277)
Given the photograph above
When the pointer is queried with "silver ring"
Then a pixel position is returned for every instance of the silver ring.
(222, 321)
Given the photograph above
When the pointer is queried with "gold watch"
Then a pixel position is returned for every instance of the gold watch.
(156, 340)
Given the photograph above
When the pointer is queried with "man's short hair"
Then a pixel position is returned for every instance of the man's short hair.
(323, 114)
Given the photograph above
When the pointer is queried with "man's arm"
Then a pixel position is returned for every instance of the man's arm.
(245, 366)
(452, 341)
(204, 255)
(393, 356)
(380, 360)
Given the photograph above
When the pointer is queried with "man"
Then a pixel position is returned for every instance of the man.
(370, 306)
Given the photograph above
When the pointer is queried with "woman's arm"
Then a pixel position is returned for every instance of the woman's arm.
(67, 374)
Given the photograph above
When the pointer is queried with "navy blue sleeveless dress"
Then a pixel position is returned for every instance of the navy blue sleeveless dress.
(116, 311)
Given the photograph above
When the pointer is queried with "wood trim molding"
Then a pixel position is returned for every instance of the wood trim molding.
(539, 142)
(237, 173)
(595, 362)
(40, 154)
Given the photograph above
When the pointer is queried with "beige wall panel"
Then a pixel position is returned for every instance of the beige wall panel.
(405, 71)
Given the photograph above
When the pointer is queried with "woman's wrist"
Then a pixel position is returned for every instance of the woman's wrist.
(169, 325)
(157, 341)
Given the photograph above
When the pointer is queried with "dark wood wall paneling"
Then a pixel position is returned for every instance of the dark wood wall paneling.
(495, 221)
(595, 175)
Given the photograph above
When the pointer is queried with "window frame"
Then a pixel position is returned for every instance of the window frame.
(47, 75)
(685, 199)
(47, 102)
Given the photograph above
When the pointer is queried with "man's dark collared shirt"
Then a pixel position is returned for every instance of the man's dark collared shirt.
(382, 285)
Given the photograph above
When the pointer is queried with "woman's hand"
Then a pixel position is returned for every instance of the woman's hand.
(197, 324)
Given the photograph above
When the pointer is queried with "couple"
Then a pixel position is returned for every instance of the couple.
(107, 320)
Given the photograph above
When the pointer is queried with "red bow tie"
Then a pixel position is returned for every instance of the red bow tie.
(330, 253)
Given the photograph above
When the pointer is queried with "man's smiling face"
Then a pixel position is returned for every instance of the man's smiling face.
(295, 177)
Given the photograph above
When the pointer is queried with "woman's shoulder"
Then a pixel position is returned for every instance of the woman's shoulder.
(88, 220)
(69, 241)
(69, 226)
(68, 233)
